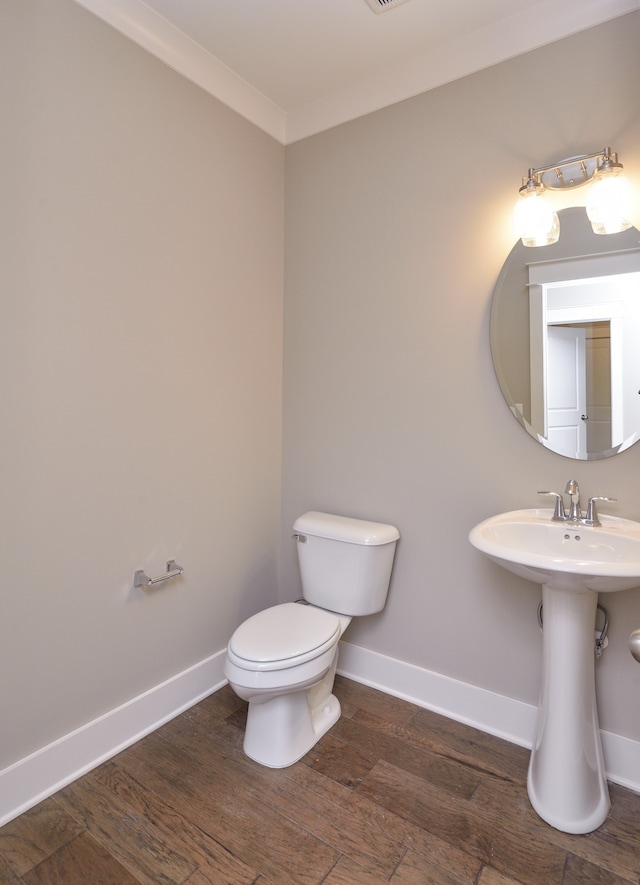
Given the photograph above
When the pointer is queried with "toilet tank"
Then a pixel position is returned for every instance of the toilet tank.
(345, 563)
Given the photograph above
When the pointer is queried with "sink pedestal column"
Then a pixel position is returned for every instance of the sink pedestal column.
(567, 783)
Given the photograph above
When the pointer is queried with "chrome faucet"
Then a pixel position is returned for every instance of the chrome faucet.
(575, 514)
(575, 511)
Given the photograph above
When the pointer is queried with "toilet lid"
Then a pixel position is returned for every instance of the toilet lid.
(283, 632)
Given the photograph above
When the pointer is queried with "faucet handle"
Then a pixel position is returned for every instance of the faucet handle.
(558, 512)
(592, 514)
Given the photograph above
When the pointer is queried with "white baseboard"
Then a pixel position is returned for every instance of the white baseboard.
(34, 778)
(496, 714)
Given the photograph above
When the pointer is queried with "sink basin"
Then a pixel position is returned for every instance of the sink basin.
(566, 782)
(602, 559)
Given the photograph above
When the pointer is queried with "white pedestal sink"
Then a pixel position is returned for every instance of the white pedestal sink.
(567, 782)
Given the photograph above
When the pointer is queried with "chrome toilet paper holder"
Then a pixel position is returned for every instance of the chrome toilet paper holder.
(140, 579)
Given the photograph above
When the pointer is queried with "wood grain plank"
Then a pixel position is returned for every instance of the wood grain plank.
(207, 715)
(7, 875)
(389, 744)
(476, 749)
(615, 847)
(215, 798)
(209, 877)
(617, 843)
(213, 859)
(415, 869)
(372, 848)
(438, 851)
(348, 872)
(345, 763)
(331, 824)
(80, 862)
(490, 876)
(354, 697)
(493, 839)
(579, 871)
(135, 842)
(204, 719)
(27, 840)
(221, 703)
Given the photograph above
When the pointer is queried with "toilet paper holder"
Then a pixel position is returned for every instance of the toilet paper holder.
(140, 579)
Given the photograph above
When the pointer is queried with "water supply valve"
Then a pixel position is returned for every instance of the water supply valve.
(600, 636)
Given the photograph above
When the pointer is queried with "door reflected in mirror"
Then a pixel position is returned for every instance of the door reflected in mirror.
(565, 334)
(579, 393)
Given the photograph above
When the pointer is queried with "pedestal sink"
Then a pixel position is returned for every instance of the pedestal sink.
(567, 782)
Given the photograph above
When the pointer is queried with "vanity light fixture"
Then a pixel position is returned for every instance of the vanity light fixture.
(608, 204)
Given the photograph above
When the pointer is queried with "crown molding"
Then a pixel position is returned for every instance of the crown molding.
(137, 21)
(515, 35)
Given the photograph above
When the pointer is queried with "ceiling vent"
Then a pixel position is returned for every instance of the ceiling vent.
(383, 5)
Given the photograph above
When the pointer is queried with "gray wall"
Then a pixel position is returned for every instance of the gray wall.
(397, 225)
(140, 370)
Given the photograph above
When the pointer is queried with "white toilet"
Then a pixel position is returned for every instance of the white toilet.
(283, 659)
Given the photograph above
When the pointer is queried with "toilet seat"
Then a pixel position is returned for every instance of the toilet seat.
(283, 636)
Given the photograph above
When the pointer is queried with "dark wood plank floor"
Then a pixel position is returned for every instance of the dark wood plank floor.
(392, 794)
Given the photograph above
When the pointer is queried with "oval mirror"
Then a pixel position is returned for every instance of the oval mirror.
(565, 339)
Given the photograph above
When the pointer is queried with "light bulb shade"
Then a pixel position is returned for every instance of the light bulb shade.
(610, 202)
(535, 220)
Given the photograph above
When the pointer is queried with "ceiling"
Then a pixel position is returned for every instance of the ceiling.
(297, 67)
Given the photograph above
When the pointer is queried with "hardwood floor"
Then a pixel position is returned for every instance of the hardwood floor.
(392, 794)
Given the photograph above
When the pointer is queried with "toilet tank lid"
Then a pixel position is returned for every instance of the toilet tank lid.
(345, 528)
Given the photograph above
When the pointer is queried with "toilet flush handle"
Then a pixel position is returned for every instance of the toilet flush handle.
(301, 539)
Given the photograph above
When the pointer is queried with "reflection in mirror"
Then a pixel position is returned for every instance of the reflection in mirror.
(565, 339)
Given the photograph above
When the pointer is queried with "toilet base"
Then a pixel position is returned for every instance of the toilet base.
(281, 730)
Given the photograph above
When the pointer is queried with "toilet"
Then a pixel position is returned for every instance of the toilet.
(283, 660)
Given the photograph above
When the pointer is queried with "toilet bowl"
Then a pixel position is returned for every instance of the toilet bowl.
(283, 662)
(283, 659)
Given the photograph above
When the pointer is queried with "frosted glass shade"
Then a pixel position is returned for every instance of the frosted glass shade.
(535, 220)
(609, 203)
